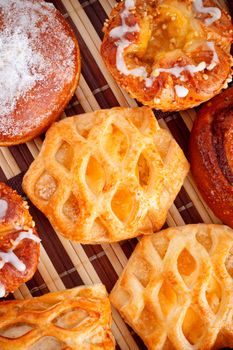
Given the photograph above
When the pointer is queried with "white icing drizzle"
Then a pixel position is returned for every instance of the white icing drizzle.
(214, 12)
(181, 91)
(11, 257)
(2, 290)
(3, 208)
(119, 33)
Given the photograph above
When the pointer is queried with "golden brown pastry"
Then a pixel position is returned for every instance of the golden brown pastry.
(75, 319)
(211, 154)
(19, 241)
(169, 54)
(39, 71)
(107, 175)
(177, 288)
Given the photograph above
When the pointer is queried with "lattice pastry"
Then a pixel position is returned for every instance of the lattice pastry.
(19, 241)
(177, 289)
(169, 54)
(106, 175)
(75, 319)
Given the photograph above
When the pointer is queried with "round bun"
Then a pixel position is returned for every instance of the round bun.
(169, 54)
(211, 154)
(19, 241)
(39, 71)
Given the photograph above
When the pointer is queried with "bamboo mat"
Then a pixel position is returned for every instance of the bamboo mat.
(65, 264)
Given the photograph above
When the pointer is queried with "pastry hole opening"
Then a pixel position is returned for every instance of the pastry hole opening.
(186, 263)
(141, 270)
(167, 298)
(95, 176)
(143, 171)
(115, 143)
(64, 155)
(48, 343)
(99, 229)
(71, 208)
(204, 238)
(192, 326)
(16, 330)
(122, 203)
(71, 319)
(214, 295)
(45, 186)
(161, 245)
(84, 125)
(147, 320)
(229, 262)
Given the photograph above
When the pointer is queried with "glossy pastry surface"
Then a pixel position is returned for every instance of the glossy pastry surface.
(169, 54)
(40, 66)
(107, 175)
(177, 288)
(19, 241)
(74, 319)
(211, 154)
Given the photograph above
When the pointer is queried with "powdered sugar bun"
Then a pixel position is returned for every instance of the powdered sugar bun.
(39, 68)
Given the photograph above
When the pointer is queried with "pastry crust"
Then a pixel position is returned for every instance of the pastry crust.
(211, 154)
(79, 318)
(113, 174)
(176, 290)
(169, 54)
(19, 241)
(40, 68)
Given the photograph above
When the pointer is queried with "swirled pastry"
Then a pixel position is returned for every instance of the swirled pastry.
(169, 54)
(40, 66)
(177, 288)
(211, 154)
(107, 175)
(79, 318)
(19, 241)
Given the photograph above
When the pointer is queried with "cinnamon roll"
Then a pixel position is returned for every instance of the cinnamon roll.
(211, 154)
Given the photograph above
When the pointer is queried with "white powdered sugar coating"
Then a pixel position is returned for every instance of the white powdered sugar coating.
(19, 68)
(34, 50)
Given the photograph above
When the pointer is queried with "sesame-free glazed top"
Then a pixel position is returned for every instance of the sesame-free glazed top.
(39, 70)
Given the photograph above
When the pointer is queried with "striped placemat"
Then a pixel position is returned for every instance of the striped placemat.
(66, 264)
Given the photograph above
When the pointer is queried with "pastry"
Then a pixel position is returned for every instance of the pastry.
(113, 174)
(19, 241)
(39, 71)
(211, 154)
(176, 290)
(169, 54)
(78, 318)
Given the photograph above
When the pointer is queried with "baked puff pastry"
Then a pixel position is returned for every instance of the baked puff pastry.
(107, 175)
(211, 154)
(177, 288)
(19, 241)
(39, 71)
(75, 319)
(169, 54)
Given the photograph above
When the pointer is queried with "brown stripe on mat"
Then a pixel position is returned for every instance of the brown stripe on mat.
(95, 13)
(2, 176)
(186, 208)
(37, 285)
(74, 107)
(22, 156)
(102, 265)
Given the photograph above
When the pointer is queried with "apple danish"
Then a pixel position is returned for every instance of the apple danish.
(211, 154)
(19, 241)
(79, 318)
(113, 174)
(39, 71)
(177, 288)
(169, 54)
